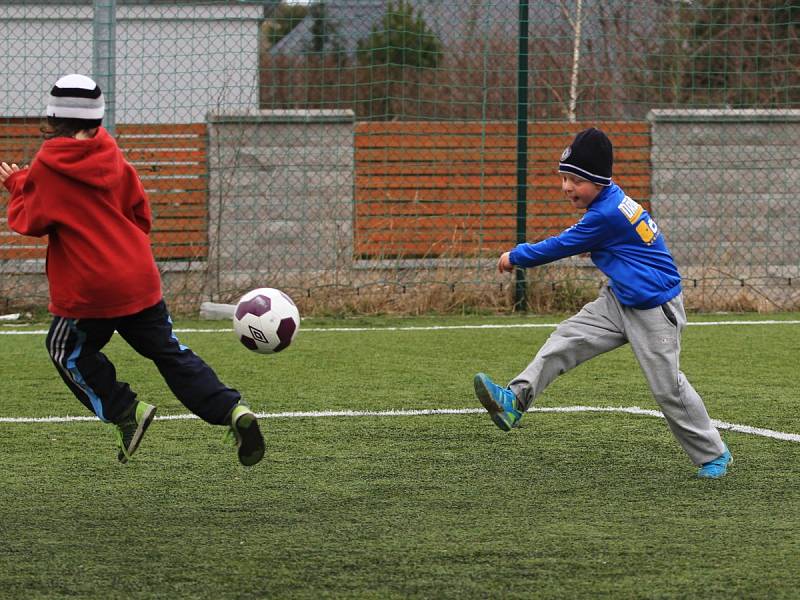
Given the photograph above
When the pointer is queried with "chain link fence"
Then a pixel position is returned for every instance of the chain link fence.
(377, 156)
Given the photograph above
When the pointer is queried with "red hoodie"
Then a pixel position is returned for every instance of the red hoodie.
(90, 203)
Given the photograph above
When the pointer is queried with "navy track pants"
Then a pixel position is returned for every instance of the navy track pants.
(75, 348)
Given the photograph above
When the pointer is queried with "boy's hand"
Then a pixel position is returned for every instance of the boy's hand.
(504, 264)
(6, 170)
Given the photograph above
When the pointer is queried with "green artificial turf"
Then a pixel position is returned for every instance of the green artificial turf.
(570, 505)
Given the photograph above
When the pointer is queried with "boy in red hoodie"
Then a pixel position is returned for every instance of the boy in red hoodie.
(89, 201)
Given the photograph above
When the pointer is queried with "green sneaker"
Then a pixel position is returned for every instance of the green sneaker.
(244, 427)
(131, 430)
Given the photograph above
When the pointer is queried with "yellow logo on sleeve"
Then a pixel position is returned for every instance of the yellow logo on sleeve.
(647, 230)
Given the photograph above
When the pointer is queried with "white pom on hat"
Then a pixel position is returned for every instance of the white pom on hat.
(76, 96)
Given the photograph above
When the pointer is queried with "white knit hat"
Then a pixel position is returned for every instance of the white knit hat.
(76, 97)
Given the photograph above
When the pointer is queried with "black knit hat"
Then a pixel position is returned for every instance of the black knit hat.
(76, 97)
(590, 156)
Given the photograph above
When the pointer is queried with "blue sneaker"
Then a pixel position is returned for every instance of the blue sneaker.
(716, 468)
(500, 402)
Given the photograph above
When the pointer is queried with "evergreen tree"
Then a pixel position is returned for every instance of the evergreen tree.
(402, 39)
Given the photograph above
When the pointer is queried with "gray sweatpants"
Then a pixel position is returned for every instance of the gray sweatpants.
(655, 337)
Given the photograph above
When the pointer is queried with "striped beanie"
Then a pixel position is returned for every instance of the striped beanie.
(589, 156)
(76, 97)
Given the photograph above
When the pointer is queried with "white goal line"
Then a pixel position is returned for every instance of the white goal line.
(633, 410)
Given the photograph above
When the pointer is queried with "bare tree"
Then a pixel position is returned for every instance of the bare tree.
(575, 23)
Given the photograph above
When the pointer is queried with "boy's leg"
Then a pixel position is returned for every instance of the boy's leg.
(75, 347)
(655, 337)
(193, 382)
(596, 329)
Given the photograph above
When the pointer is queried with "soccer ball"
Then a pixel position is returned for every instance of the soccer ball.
(266, 320)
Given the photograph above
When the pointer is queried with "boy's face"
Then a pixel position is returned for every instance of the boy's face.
(580, 192)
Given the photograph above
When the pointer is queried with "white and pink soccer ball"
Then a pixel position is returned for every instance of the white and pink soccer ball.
(266, 320)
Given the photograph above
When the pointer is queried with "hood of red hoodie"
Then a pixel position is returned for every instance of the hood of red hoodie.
(96, 162)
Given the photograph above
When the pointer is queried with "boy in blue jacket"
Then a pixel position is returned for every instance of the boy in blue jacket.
(642, 305)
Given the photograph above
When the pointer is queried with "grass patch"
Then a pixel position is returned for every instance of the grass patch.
(569, 505)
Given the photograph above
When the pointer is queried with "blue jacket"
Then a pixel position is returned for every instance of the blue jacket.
(625, 244)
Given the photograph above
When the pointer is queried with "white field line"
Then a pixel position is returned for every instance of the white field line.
(432, 327)
(632, 410)
(792, 437)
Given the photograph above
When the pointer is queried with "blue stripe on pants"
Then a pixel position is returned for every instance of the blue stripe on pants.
(77, 377)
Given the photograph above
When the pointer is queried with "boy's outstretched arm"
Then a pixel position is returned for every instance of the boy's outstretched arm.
(25, 214)
(586, 235)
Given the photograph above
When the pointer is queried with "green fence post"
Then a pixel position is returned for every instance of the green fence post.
(104, 56)
(520, 300)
